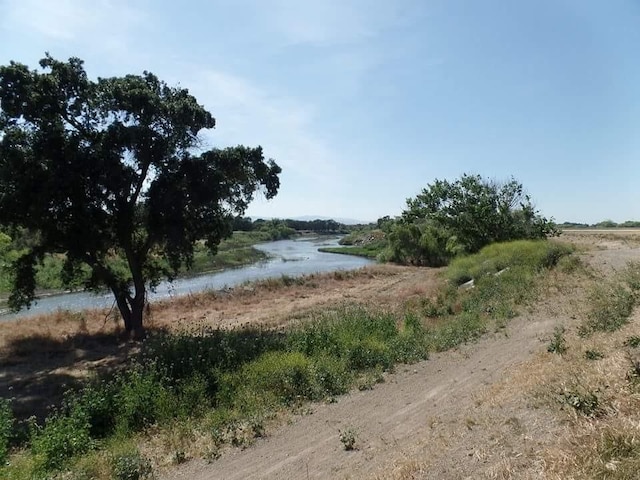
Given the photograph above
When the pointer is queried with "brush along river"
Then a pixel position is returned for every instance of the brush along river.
(286, 257)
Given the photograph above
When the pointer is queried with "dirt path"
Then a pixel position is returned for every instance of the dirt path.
(453, 416)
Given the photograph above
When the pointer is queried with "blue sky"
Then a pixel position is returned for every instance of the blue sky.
(365, 102)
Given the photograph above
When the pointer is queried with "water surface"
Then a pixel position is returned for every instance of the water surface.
(287, 257)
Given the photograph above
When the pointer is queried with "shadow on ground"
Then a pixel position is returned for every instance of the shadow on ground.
(36, 370)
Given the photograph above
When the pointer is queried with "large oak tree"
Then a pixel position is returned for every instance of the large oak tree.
(113, 168)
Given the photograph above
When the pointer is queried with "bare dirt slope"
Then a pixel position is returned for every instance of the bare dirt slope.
(456, 415)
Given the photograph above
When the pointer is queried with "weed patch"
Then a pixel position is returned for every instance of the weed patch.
(348, 438)
(593, 355)
(583, 401)
(558, 344)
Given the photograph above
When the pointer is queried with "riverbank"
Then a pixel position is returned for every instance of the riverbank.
(290, 258)
(236, 251)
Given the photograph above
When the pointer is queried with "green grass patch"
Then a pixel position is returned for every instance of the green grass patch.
(504, 277)
(530, 255)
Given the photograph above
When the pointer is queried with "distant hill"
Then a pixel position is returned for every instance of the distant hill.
(345, 221)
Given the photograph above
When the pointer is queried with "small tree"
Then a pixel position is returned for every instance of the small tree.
(111, 168)
(448, 218)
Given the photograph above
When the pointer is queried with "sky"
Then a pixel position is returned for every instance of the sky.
(363, 103)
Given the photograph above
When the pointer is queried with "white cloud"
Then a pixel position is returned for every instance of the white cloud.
(101, 23)
(247, 114)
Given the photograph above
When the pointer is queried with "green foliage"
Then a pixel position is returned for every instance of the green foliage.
(423, 243)
(284, 377)
(117, 171)
(348, 438)
(633, 341)
(97, 403)
(593, 355)
(362, 339)
(504, 277)
(131, 466)
(533, 255)
(558, 344)
(6, 428)
(276, 229)
(582, 400)
(456, 330)
(448, 218)
(61, 438)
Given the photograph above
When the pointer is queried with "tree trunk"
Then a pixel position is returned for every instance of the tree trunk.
(137, 312)
(137, 303)
(125, 310)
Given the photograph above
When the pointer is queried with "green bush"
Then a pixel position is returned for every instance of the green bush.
(286, 377)
(143, 399)
(97, 403)
(205, 350)
(456, 330)
(61, 438)
(332, 374)
(449, 218)
(131, 466)
(558, 343)
(6, 428)
(369, 353)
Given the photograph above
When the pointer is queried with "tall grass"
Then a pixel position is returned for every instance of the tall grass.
(612, 301)
(530, 255)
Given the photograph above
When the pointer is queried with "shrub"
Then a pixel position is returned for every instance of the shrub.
(348, 438)
(332, 374)
(533, 255)
(131, 466)
(61, 438)
(583, 401)
(448, 218)
(6, 428)
(142, 399)
(459, 329)
(97, 403)
(557, 344)
(286, 377)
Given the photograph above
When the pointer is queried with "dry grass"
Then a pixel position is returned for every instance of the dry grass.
(603, 442)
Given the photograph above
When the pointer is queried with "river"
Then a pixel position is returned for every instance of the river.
(286, 257)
